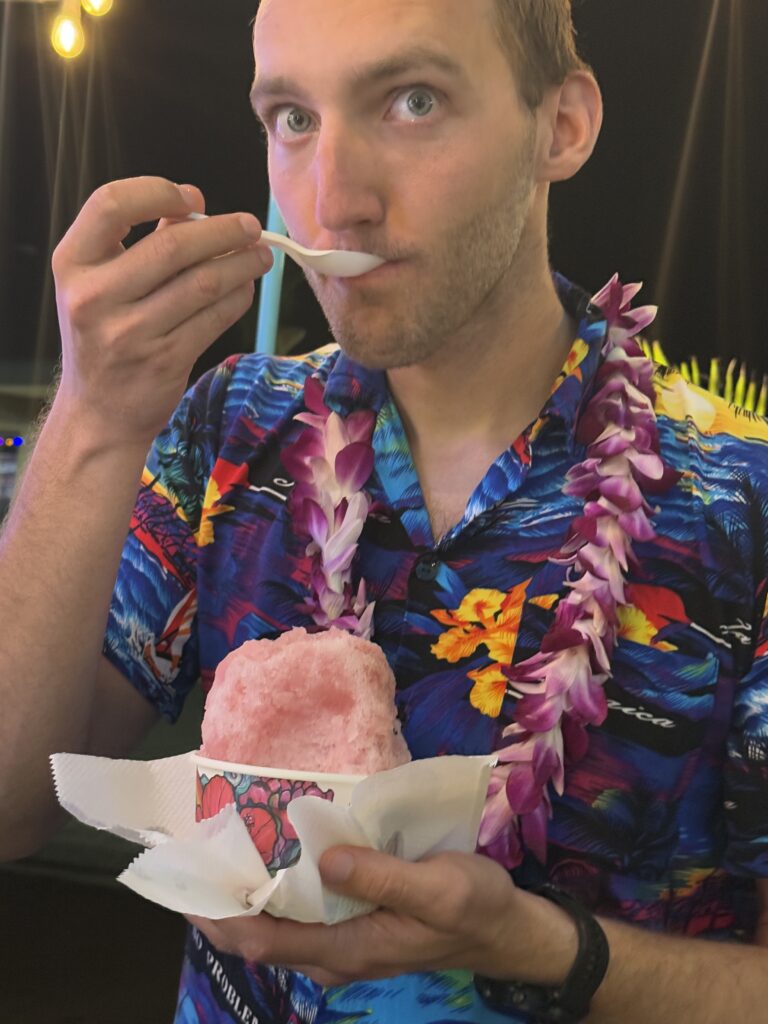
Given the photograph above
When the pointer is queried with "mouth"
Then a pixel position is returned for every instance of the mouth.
(382, 273)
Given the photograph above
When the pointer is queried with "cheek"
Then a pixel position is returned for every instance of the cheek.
(290, 187)
(444, 196)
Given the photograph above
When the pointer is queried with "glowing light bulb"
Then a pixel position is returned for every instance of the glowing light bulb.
(97, 7)
(67, 37)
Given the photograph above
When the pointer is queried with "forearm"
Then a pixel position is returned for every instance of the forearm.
(59, 553)
(666, 979)
(651, 976)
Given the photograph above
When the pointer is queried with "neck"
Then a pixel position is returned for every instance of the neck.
(488, 383)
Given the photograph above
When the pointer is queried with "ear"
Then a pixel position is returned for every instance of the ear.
(570, 118)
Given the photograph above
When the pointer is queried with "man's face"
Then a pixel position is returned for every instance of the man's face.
(428, 166)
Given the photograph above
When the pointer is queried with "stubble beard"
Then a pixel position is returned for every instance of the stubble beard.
(441, 298)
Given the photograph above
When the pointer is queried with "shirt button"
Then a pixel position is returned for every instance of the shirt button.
(427, 568)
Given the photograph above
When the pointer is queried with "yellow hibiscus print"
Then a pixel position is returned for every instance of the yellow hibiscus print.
(490, 618)
(487, 695)
(635, 625)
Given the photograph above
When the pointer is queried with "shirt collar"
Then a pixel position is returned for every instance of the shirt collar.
(351, 386)
(573, 387)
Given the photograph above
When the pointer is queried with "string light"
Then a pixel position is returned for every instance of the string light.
(97, 7)
(67, 37)
(11, 442)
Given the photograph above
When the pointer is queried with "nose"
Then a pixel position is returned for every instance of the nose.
(348, 179)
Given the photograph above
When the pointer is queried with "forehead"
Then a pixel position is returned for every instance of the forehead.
(325, 37)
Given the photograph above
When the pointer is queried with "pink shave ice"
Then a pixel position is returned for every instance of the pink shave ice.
(307, 702)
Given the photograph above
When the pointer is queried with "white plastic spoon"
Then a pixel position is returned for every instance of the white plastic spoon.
(332, 262)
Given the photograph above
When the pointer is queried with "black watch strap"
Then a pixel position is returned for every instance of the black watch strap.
(568, 1003)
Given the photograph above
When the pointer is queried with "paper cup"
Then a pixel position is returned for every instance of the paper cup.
(262, 796)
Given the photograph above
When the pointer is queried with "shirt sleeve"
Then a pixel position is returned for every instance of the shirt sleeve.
(746, 768)
(151, 634)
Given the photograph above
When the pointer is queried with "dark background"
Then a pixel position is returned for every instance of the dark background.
(162, 89)
(674, 196)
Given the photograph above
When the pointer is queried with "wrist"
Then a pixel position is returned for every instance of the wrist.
(87, 435)
(537, 943)
(565, 1003)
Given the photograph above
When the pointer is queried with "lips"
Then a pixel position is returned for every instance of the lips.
(379, 272)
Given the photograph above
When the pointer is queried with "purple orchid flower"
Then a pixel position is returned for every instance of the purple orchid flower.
(331, 461)
(561, 687)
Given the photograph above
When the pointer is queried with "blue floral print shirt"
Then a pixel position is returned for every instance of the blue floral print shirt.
(664, 824)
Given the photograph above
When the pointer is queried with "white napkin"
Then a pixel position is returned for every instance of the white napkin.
(212, 869)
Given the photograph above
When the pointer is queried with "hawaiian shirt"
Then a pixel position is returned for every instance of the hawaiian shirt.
(664, 824)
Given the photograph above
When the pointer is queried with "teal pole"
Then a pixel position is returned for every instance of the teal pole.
(271, 288)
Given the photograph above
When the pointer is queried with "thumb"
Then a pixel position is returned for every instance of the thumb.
(337, 865)
(377, 878)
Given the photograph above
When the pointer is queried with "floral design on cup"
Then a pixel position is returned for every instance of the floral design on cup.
(212, 795)
(262, 804)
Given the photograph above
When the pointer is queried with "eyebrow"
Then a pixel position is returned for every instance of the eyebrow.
(412, 59)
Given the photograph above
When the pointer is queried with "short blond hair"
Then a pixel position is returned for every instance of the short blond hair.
(539, 39)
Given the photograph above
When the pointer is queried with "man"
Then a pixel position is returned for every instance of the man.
(427, 132)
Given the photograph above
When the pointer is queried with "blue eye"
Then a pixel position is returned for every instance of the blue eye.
(291, 112)
(414, 109)
(297, 122)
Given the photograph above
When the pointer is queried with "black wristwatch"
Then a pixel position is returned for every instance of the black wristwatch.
(568, 1003)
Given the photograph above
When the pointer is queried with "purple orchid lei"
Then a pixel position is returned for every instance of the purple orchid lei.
(330, 462)
(560, 689)
(562, 686)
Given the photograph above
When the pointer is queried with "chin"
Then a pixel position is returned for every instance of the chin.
(388, 343)
(373, 358)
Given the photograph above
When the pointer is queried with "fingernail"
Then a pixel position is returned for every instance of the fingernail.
(337, 868)
(251, 226)
(188, 195)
